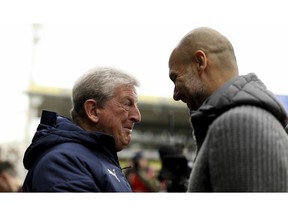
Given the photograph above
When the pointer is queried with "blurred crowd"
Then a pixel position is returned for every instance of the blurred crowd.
(9, 179)
(171, 177)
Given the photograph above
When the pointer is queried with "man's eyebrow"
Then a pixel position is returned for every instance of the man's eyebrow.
(130, 98)
(134, 100)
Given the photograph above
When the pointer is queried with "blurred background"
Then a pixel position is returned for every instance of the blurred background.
(41, 58)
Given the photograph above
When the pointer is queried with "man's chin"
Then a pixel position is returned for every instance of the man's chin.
(122, 146)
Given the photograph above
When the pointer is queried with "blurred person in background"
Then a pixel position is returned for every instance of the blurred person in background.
(9, 179)
(142, 177)
(174, 171)
(80, 155)
(238, 124)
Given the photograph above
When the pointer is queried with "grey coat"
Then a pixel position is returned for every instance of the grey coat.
(241, 140)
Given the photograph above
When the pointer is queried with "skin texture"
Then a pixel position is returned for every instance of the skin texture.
(201, 63)
(117, 117)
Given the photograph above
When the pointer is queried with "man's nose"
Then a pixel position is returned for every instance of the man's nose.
(176, 94)
(136, 115)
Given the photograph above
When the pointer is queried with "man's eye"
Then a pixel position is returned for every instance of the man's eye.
(126, 106)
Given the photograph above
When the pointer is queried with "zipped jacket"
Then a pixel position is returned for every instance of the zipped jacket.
(65, 158)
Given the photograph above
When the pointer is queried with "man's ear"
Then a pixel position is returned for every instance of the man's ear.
(201, 60)
(90, 107)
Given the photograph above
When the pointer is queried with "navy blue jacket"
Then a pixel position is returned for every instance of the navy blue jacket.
(65, 158)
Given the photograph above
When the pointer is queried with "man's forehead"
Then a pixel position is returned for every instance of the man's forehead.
(173, 56)
(176, 57)
(125, 91)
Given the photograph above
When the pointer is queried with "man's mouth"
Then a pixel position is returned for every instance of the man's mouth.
(130, 129)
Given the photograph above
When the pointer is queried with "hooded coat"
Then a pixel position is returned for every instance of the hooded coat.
(241, 140)
(65, 158)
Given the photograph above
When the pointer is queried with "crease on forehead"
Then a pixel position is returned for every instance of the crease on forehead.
(125, 88)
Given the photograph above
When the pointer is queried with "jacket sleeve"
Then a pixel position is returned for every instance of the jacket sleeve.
(247, 151)
(57, 172)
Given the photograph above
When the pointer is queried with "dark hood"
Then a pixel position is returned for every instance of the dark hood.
(54, 130)
(242, 90)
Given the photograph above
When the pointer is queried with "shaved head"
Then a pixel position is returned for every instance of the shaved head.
(203, 61)
(213, 43)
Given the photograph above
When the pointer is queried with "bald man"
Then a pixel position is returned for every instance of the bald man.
(238, 124)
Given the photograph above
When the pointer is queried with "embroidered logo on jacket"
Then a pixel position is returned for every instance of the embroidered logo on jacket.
(114, 174)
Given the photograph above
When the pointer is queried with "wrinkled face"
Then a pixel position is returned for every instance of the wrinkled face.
(188, 86)
(119, 114)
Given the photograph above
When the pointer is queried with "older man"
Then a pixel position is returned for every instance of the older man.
(81, 156)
